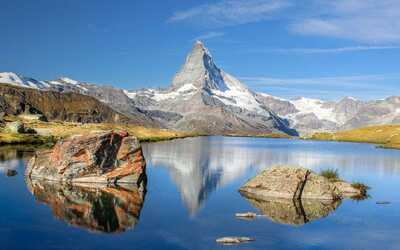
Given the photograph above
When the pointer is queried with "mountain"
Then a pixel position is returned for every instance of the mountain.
(313, 115)
(72, 107)
(204, 98)
(115, 98)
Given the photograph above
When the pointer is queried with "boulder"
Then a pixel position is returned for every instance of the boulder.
(296, 183)
(18, 127)
(233, 240)
(11, 172)
(15, 127)
(99, 157)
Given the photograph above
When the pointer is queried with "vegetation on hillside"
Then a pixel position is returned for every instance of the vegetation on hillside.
(48, 132)
(388, 136)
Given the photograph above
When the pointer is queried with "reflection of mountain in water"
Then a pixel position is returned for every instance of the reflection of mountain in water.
(294, 212)
(200, 165)
(102, 209)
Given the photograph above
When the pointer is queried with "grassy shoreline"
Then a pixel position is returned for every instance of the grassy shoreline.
(384, 136)
(50, 132)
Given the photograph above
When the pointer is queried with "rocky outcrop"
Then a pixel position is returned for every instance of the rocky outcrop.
(102, 157)
(296, 183)
(295, 195)
(106, 209)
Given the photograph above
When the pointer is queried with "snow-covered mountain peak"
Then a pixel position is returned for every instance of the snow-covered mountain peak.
(18, 80)
(200, 71)
(69, 80)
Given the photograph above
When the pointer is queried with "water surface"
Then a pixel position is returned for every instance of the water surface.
(192, 197)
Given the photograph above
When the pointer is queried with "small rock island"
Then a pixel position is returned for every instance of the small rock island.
(296, 196)
(99, 157)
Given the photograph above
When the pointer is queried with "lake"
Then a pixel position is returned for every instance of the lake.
(192, 199)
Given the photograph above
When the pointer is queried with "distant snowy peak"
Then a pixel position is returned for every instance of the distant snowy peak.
(321, 109)
(17, 80)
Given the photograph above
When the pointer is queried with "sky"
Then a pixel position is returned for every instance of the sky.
(325, 49)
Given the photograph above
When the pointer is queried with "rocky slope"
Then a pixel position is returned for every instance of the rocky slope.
(312, 115)
(115, 99)
(56, 106)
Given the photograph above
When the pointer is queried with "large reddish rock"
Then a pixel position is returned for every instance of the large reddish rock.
(100, 157)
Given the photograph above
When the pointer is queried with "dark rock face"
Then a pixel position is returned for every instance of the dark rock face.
(70, 107)
(102, 209)
(107, 157)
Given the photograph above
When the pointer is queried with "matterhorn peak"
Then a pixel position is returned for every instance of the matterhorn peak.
(199, 70)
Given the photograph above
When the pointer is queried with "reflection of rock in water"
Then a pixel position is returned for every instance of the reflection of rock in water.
(8, 153)
(294, 212)
(102, 209)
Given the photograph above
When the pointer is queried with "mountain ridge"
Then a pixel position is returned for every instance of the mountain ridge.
(204, 98)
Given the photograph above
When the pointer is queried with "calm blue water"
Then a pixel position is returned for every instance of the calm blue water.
(192, 198)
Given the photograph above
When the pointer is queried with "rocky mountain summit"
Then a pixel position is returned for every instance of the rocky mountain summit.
(206, 98)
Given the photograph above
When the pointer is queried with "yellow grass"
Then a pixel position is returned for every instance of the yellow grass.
(65, 129)
(388, 136)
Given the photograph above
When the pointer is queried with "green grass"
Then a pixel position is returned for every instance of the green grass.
(330, 174)
(28, 139)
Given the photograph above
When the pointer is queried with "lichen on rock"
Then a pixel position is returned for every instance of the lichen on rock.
(99, 157)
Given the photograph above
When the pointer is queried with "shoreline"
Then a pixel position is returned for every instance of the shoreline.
(383, 136)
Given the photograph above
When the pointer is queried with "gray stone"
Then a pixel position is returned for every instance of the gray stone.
(296, 183)
(233, 240)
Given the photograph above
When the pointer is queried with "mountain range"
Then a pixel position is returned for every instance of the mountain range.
(206, 99)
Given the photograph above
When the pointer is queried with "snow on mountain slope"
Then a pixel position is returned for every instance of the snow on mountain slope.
(17, 80)
(322, 110)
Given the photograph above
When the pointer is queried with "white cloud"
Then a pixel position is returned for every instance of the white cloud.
(356, 80)
(209, 35)
(231, 12)
(325, 50)
(368, 21)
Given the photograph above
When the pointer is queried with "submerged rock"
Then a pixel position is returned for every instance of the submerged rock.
(11, 172)
(292, 211)
(296, 183)
(107, 209)
(102, 157)
(233, 240)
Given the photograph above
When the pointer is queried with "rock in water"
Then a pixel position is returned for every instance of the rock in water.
(296, 183)
(102, 157)
(248, 215)
(11, 172)
(233, 240)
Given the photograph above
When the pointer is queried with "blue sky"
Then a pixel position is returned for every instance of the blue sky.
(316, 48)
